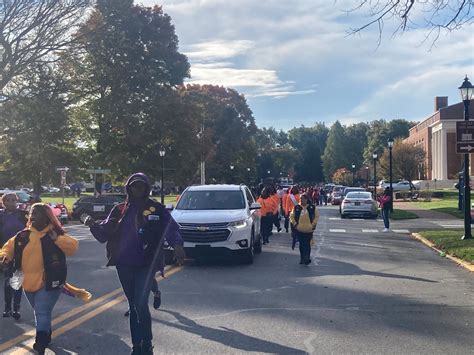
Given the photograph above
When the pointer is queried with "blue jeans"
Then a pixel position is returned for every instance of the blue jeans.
(137, 283)
(43, 302)
(385, 216)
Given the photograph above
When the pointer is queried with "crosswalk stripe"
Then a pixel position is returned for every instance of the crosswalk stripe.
(451, 226)
(401, 230)
(357, 219)
(334, 218)
(337, 230)
(370, 231)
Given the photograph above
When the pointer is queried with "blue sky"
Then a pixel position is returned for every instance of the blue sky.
(296, 64)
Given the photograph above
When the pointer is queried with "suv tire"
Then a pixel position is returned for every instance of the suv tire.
(258, 246)
(250, 252)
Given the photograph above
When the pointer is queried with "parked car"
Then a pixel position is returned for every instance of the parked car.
(336, 195)
(219, 220)
(346, 191)
(60, 211)
(359, 203)
(402, 185)
(96, 207)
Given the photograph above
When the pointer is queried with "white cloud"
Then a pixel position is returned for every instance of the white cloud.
(217, 50)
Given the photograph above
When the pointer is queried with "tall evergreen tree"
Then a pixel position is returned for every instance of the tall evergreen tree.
(336, 154)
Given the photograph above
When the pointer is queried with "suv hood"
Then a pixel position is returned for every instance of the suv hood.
(208, 216)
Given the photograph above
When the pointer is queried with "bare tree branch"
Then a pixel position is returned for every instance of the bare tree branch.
(35, 32)
(432, 15)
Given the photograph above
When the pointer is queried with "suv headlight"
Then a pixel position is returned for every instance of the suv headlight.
(238, 224)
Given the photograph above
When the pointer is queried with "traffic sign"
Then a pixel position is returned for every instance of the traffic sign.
(462, 148)
(98, 171)
(464, 137)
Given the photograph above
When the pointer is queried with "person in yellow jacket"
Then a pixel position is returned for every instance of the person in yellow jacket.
(39, 257)
(304, 219)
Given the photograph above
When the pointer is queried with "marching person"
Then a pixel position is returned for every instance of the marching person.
(12, 220)
(266, 214)
(304, 219)
(276, 208)
(385, 202)
(39, 255)
(135, 232)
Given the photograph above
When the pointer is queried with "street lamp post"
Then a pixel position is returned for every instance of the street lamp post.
(367, 173)
(353, 173)
(390, 146)
(162, 155)
(232, 172)
(375, 156)
(466, 90)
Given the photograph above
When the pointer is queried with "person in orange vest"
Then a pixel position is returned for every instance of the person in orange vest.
(276, 212)
(266, 214)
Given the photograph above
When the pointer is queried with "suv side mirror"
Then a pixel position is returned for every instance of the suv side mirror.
(169, 207)
(255, 206)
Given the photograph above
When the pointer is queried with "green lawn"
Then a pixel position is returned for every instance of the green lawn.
(447, 205)
(450, 242)
(402, 214)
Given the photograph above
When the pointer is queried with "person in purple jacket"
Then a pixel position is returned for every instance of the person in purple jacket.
(12, 220)
(135, 232)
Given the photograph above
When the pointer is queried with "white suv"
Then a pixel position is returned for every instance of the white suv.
(219, 219)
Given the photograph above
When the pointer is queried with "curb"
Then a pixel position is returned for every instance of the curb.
(430, 244)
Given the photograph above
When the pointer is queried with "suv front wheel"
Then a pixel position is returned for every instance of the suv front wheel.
(250, 252)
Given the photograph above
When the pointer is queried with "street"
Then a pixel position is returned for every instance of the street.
(365, 292)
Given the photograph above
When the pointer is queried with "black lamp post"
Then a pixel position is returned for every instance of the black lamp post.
(466, 90)
(375, 156)
(162, 155)
(353, 173)
(232, 173)
(367, 173)
(390, 146)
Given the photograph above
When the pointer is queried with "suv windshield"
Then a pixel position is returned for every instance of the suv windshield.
(212, 200)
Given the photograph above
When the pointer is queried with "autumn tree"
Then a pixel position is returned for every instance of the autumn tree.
(127, 67)
(336, 153)
(406, 161)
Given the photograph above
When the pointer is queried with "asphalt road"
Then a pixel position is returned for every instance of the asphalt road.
(365, 292)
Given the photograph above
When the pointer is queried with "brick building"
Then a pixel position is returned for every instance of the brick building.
(437, 136)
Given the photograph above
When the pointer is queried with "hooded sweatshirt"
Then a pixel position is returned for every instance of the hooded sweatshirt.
(135, 230)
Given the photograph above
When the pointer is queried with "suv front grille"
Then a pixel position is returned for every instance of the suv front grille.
(204, 233)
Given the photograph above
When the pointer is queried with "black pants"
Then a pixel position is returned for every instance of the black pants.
(304, 240)
(276, 221)
(11, 294)
(137, 283)
(287, 222)
(266, 226)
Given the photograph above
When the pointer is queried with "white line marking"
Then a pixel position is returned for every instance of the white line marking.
(358, 219)
(337, 230)
(370, 230)
(400, 231)
(451, 226)
(334, 218)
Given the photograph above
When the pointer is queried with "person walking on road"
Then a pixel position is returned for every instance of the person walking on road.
(304, 219)
(39, 255)
(385, 202)
(12, 220)
(266, 214)
(135, 232)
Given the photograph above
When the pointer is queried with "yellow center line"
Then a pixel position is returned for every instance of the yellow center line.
(31, 333)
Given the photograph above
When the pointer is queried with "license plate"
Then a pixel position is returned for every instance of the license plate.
(357, 203)
(99, 208)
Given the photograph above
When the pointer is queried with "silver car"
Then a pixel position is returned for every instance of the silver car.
(359, 203)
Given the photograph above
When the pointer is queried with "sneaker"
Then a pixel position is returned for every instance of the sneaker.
(156, 300)
(16, 315)
(386, 230)
(136, 350)
(279, 230)
(126, 314)
(7, 313)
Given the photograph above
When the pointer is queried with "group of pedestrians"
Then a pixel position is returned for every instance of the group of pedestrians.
(299, 213)
(34, 250)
